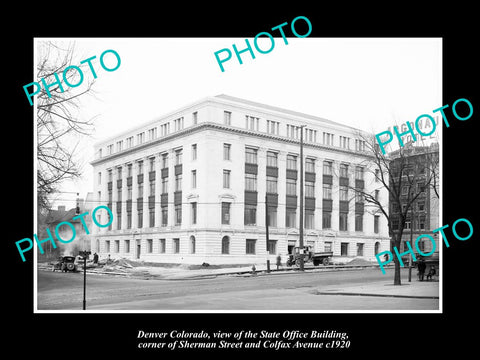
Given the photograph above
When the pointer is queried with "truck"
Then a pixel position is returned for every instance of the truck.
(308, 255)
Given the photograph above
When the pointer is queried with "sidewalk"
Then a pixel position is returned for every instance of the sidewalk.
(413, 289)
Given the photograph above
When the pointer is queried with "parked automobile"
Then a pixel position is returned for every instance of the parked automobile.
(65, 263)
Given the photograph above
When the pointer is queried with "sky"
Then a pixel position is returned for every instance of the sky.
(367, 83)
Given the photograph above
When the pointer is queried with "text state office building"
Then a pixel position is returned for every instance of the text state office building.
(192, 187)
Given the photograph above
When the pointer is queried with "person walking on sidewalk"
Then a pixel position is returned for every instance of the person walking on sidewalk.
(421, 269)
(279, 261)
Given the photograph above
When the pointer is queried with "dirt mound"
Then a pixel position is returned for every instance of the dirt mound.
(360, 262)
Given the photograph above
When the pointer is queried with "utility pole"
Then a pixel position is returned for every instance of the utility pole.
(301, 200)
(266, 232)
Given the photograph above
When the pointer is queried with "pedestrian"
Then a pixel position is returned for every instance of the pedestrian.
(431, 273)
(421, 269)
(279, 261)
(95, 258)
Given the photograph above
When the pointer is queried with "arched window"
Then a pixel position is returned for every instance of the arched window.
(192, 244)
(377, 247)
(225, 245)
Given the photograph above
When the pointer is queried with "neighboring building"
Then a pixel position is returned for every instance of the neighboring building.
(55, 217)
(191, 187)
(422, 163)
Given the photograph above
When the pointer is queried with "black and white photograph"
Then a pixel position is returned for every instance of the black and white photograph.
(280, 190)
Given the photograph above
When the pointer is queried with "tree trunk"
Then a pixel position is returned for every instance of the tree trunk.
(396, 277)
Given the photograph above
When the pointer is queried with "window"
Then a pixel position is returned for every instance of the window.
(344, 170)
(165, 129)
(151, 214)
(140, 138)
(193, 213)
(359, 198)
(359, 173)
(293, 131)
(421, 223)
(291, 187)
(407, 225)
(129, 219)
(178, 157)
(140, 167)
(310, 135)
(178, 182)
(178, 214)
(119, 173)
(225, 213)
(327, 191)
(176, 246)
(360, 249)
(119, 221)
(273, 127)
(129, 142)
(377, 192)
(195, 118)
(327, 168)
(250, 248)
(110, 175)
(152, 134)
(250, 156)
(291, 162)
(421, 205)
(152, 164)
(309, 189)
(358, 222)
(376, 221)
(194, 179)
(110, 149)
(126, 246)
(272, 216)
(250, 214)
(250, 182)
(152, 188)
(271, 184)
(225, 245)
(343, 226)
(107, 245)
(192, 244)
(309, 165)
(226, 179)
(164, 185)
(140, 218)
(162, 246)
(178, 124)
(326, 219)
(164, 216)
(194, 152)
(343, 249)
(291, 218)
(377, 175)
(226, 151)
(359, 145)
(164, 161)
(227, 116)
(309, 219)
(251, 122)
(120, 145)
(116, 246)
(149, 246)
(272, 246)
(344, 142)
(272, 159)
(327, 138)
(343, 193)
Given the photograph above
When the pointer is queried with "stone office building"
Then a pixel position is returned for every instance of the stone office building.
(192, 186)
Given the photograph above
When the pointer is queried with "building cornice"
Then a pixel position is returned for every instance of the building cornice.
(225, 128)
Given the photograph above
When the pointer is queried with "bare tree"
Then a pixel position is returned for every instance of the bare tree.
(405, 180)
(58, 120)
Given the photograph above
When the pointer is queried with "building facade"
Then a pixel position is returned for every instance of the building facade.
(420, 172)
(195, 186)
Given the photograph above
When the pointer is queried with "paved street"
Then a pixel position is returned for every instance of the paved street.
(278, 291)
